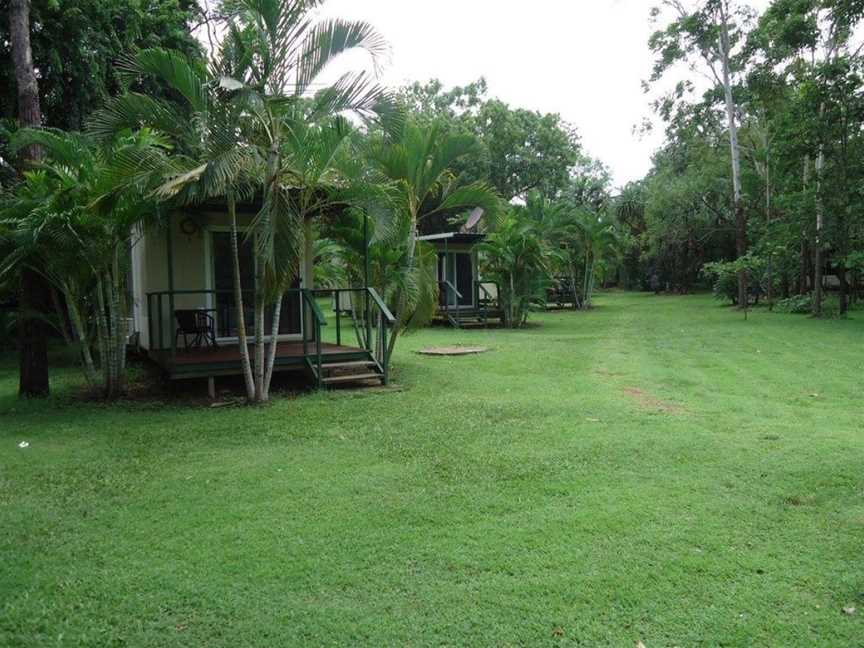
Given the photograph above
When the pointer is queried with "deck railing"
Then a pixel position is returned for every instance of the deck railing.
(482, 301)
(365, 312)
(451, 311)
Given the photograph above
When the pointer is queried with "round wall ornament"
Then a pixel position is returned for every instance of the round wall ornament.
(189, 226)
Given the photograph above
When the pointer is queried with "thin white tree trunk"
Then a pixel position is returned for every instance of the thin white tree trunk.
(102, 333)
(274, 346)
(260, 343)
(80, 332)
(245, 363)
(118, 321)
(737, 193)
(818, 260)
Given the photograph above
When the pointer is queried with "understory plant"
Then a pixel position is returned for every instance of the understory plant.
(71, 222)
(515, 255)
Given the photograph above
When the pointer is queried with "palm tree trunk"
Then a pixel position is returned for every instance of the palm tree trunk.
(260, 311)
(102, 332)
(400, 311)
(118, 348)
(274, 346)
(586, 291)
(512, 323)
(242, 338)
(80, 331)
(118, 321)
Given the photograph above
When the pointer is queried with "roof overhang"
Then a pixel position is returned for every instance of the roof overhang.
(458, 238)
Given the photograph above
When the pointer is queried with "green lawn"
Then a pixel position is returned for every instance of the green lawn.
(657, 470)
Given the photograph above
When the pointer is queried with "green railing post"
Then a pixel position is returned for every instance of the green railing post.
(161, 323)
(368, 324)
(338, 317)
(150, 339)
(384, 364)
(304, 323)
(319, 355)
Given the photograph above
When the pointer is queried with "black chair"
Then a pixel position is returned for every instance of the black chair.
(197, 325)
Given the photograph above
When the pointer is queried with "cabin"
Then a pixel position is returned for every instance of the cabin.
(185, 319)
(464, 299)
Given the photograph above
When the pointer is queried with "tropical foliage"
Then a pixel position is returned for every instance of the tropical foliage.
(785, 214)
(73, 220)
(345, 175)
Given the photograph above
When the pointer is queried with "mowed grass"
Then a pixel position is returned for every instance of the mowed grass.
(657, 470)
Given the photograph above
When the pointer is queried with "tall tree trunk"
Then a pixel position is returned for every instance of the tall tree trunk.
(401, 315)
(80, 331)
(34, 300)
(242, 338)
(260, 344)
(59, 311)
(769, 221)
(103, 331)
(274, 346)
(512, 302)
(804, 272)
(738, 202)
(818, 260)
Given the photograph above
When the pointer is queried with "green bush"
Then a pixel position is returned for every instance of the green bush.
(724, 280)
(723, 276)
(798, 304)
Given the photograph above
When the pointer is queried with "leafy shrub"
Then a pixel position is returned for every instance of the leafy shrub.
(724, 277)
(724, 280)
(797, 304)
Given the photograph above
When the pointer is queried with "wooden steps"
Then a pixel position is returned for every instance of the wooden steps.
(359, 372)
(474, 318)
(350, 378)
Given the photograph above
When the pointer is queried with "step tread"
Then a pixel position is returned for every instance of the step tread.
(348, 365)
(350, 378)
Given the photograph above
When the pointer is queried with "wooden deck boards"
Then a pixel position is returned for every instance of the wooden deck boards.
(225, 360)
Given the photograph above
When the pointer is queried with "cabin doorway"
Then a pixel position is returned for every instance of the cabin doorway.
(457, 268)
(221, 275)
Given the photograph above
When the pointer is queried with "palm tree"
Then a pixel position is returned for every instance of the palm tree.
(71, 222)
(599, 240)
(515, 253)
(236, 123)
(278, 52)
(205, 157)
(418, 168)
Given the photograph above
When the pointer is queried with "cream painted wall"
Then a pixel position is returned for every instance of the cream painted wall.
(191, 272)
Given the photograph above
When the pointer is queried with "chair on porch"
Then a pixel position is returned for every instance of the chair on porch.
(198, 325)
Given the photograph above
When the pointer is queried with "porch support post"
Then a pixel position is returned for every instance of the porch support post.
(169, 239)
(308, 273)
(369, 344)
(365, 251)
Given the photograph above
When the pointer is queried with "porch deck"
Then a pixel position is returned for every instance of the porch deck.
(225, 360)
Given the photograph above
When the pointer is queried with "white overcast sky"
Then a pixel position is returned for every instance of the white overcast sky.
(585, 59)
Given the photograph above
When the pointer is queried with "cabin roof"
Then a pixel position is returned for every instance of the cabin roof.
(454, 237)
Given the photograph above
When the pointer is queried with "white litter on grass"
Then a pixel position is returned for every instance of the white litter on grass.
(23, 444)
